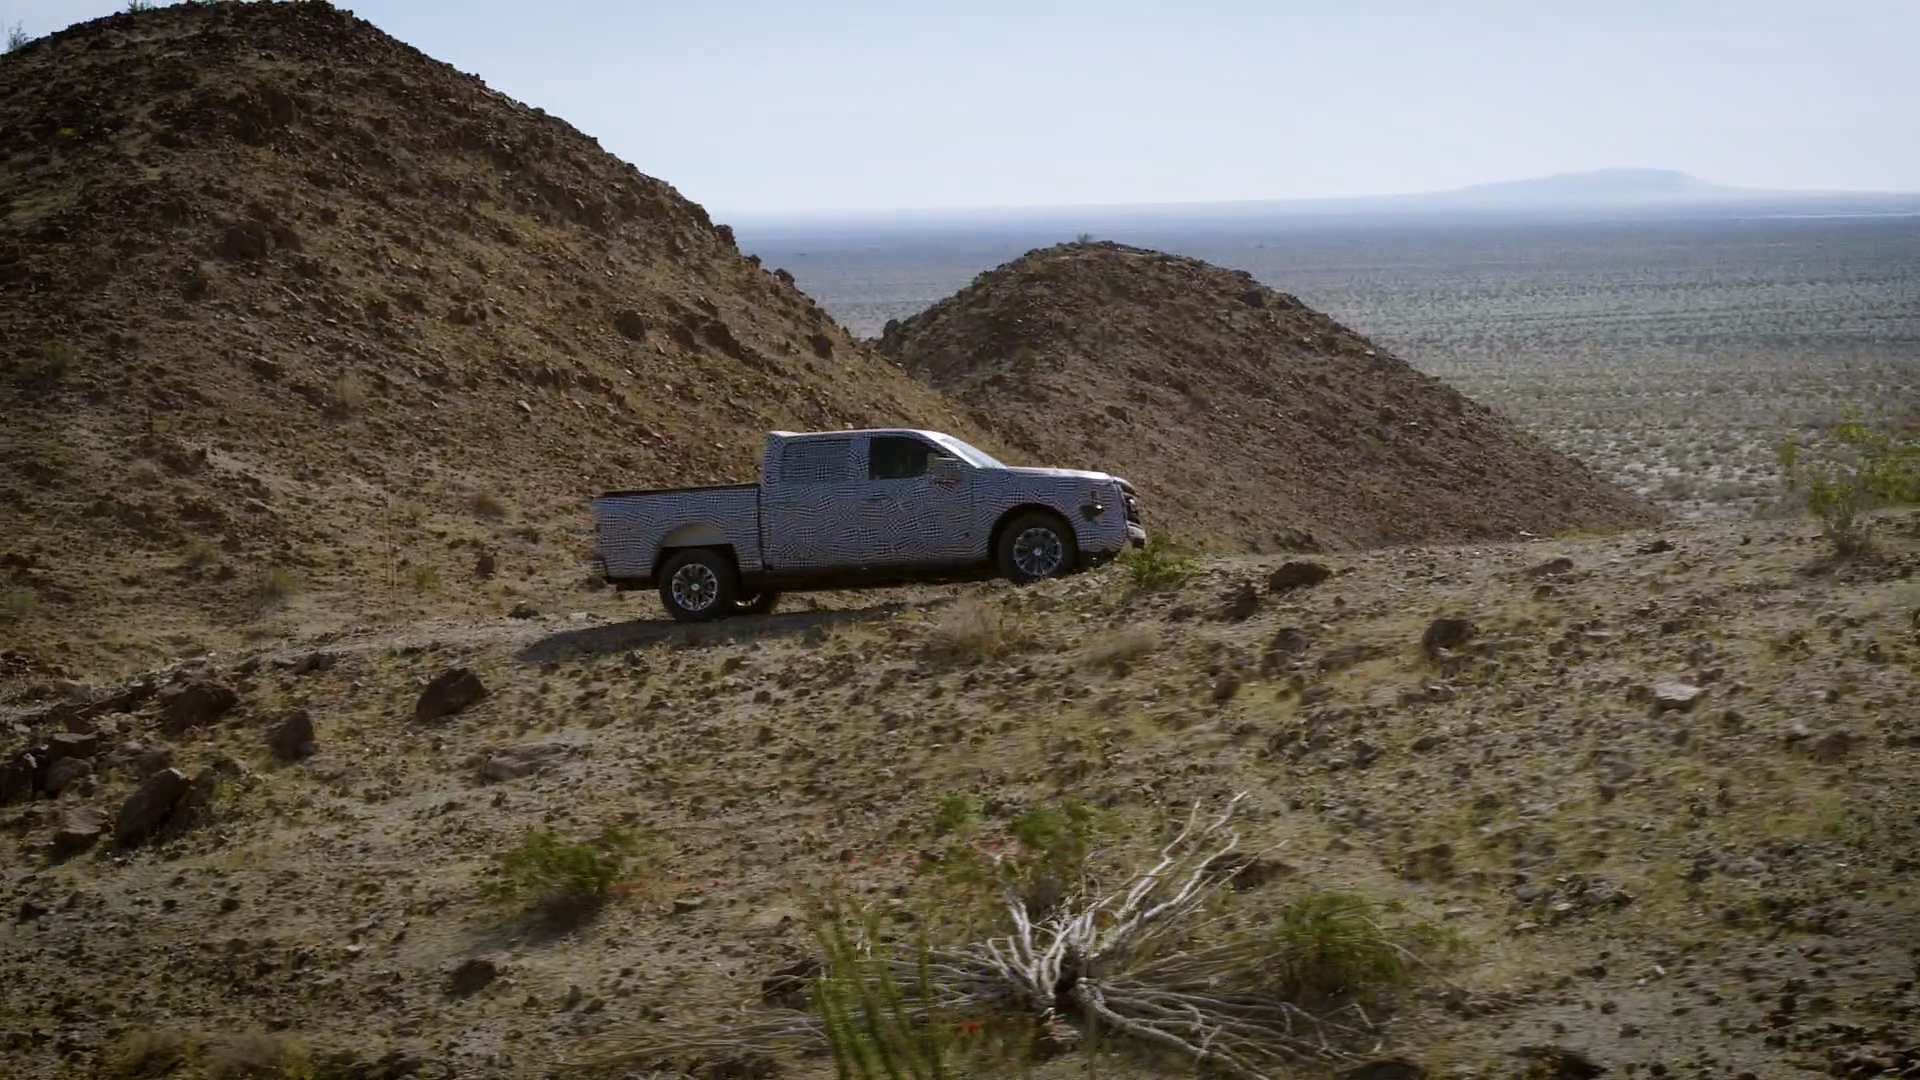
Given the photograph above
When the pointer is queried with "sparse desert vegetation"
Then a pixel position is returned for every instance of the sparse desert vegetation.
(1634, 794)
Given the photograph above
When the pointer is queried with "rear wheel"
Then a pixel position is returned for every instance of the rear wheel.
(1036, 545)
(699, 584)
(759, 603)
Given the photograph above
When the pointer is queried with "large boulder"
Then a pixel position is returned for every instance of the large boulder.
(149, 806)
(449, 693)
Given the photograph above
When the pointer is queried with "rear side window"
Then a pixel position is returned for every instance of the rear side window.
(896, 457)
(817, 461)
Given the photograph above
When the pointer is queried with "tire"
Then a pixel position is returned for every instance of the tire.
(759, 603)
(698, 585)
(1036, 545)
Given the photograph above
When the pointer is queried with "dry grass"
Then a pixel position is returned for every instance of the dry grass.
(1122, 647)
(973, 629)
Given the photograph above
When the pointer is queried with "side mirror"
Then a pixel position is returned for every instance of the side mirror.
(944, 471)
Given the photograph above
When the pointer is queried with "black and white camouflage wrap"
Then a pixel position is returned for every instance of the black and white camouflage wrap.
(817, 510)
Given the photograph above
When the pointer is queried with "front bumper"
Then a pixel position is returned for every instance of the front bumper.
(1136, 535)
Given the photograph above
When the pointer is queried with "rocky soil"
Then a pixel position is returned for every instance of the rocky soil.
(1247, 419)
(1662, 789)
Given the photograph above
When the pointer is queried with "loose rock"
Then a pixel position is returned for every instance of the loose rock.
(514, 762)
(448, 694)
(472, 976)
(1446, 633)
(72, 744)
(1675, 696)
(292, 738)
(197, 705)
(149, 806)
(62, 774)
(1297, 575)
(79, 831)
(1240, 603)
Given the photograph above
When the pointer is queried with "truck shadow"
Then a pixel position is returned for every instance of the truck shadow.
(640, 633)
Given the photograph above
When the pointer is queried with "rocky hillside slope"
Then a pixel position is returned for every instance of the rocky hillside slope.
(1658, 794)
(1245, 416)
(300, 327)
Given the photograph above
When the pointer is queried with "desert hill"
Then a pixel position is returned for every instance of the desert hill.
(1246, 416)
(297, 323)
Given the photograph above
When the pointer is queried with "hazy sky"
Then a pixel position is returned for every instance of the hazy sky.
(756, 105)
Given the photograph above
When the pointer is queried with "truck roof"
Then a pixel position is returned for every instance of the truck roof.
(858, 431)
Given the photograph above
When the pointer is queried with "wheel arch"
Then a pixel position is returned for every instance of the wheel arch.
(1008, 518)
(667, 552)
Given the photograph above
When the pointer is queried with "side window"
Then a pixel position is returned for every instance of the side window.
(896, 457)
(817, 461)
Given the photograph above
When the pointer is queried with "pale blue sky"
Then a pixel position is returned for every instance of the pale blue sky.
(754, 106)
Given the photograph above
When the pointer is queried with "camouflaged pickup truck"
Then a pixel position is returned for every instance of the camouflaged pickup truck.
(859, 509)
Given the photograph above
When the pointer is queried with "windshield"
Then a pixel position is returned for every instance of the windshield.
(974, 456)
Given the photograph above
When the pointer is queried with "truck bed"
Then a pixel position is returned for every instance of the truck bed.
(632, 526)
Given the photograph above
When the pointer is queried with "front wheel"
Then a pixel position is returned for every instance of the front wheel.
(699, 584)
(1035, 546)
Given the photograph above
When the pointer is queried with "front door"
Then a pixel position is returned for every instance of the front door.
(908, 517)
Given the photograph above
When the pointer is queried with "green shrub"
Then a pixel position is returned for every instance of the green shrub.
(1157, 565)
(563, 881)
(17, 603)
(877, 1028)
(273, 587)
(957, 811)
(424, 578)
(1857, 467)
(1329, 943)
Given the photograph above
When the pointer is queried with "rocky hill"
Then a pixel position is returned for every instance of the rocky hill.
(300, 327)
(1242, 415)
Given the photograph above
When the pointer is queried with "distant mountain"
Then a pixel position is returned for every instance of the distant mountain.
(1599, 193)
(1592, 187)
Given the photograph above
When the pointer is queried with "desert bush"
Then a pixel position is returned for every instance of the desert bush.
(1158, 564)
(973, 630)
(16, 37)
(259, 1055)
(151, 1053)
(17, 603)
(200, 554)
(1327, 943)
(423, 577)
(47, 365)
(876, 1027)
(349, 395)
(273, 587)
(1858, 466)
(487, 505)
(136, 6)
(565, 882)
(1122, 646)
(957, 811)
